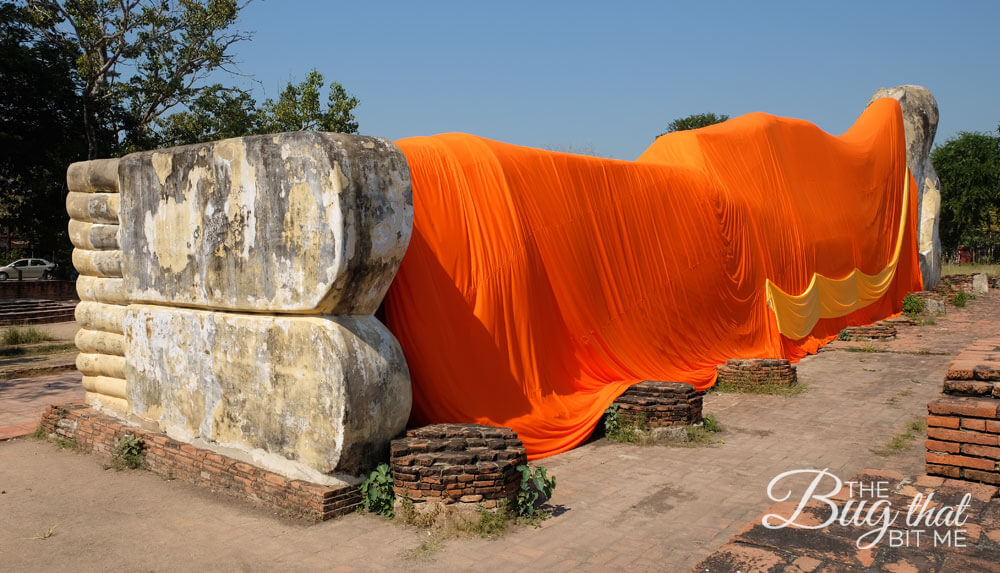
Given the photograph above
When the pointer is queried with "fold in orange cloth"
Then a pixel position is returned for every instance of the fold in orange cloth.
(539, 285)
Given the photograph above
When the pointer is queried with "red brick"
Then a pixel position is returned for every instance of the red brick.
(938, 446)
(964, 406)
(961, 369)
(981, 451)
(942, 421)
(962, 436)
(960, 461)
(985, 477)
(948, 471)
(992, 427)
(973, 424)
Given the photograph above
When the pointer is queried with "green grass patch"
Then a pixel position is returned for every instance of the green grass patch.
(969, 269)
(13, 335)
(766, 388)
(21, 351)
(903, 440)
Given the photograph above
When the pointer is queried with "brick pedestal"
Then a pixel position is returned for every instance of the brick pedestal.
(757, 371)
(94, 432)
(457, 463)
(963, 425)
(878, 331)
(660, 404)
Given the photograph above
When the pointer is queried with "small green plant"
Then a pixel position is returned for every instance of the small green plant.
(38, 434)
(901, 441)
(711, 423)
(63, 444)
(843, 335)
(912, 306)
(619, 428)
(960, 299)
(533, 483)
(128, 453)
(611, 421)
(492, 523)
(23, 335)
(377, 493)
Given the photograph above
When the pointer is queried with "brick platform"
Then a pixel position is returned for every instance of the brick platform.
(877, 331)
(94, 432)
(755, 371)
(660, 404)
(834, 548)
(963, 425)
(457, 463)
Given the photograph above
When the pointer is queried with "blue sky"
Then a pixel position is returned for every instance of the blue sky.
(608, 77)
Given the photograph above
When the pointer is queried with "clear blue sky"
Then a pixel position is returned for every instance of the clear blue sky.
(610, 76)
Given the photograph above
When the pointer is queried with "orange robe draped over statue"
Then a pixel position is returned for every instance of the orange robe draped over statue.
(539, 285)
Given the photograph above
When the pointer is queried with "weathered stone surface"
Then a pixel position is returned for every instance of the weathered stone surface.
(326, 392)
(980, 284)
(920, 119)
(93, 176)
(93, 207)
(299, 222)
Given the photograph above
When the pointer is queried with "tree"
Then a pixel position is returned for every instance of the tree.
(166, 47)
(40, 119)
(227, 112)
(968, 166)
(694, 121)
(298, 108)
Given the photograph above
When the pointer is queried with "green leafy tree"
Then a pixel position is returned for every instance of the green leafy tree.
(138, 59)
(968, 166)
(221, 112)
(217, 113)
(298, 108)
(40, 118)
(694, 121)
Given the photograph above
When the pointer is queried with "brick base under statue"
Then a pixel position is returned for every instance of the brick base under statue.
(457, 464)
(660, 404)
(94, 432)
(757, 371)
(877, 331)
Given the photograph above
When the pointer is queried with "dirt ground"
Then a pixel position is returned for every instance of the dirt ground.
(618, 505)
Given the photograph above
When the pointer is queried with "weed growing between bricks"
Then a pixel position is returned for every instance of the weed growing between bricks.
(903, 440)
(128, 454)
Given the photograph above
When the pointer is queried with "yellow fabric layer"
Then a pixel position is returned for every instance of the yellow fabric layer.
(825, 297)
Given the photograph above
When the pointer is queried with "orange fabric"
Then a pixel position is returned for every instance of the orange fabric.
(539, 285)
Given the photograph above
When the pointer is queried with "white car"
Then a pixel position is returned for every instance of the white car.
(29, 269)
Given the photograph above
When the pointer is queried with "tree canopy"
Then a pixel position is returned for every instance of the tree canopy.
(221, 112)
(86, 79)
(968, 166)
(694, 121)
(40, 132)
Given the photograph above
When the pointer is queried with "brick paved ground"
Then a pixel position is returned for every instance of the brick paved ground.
(22, 401)
(620, 506)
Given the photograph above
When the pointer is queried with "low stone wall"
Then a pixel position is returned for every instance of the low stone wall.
(457, 463)
(878, 331)
(92, 431)
(35, 289)
(660, 404)
(963, 425)
(756, 371)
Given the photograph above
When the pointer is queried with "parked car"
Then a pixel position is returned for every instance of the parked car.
(29, 269)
